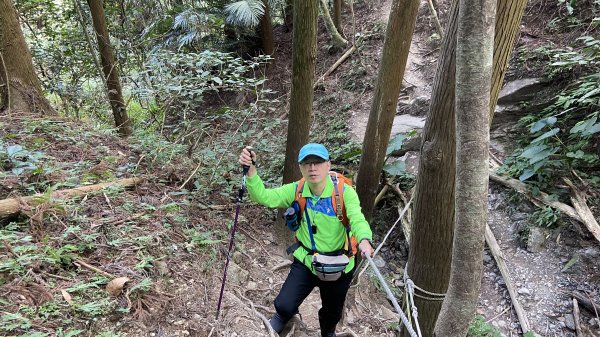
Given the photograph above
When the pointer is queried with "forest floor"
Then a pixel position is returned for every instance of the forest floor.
(172, 246)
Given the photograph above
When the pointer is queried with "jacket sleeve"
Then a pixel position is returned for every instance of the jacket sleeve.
(360, 227)
(279, 197)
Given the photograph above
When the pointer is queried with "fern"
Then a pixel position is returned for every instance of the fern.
(245, 13)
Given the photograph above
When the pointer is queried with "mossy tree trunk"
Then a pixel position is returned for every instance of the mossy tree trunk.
(398, 37)
(337, 40)
(20, 88)
(109, 68)
(432, 230)
(474, 57)
(304, 55)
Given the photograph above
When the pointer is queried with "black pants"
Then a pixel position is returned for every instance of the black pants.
(298, 285)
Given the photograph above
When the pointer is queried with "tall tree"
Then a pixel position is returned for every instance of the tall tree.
(433, 223)
(398, 37)
(337, 15)
(20, 88)
(304, 55)
(337, 39)
(474, 56)
(266, 30)
(110, 69)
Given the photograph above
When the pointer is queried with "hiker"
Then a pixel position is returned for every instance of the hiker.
(323, 253)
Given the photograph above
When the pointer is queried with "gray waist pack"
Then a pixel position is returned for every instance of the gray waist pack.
(329, 268)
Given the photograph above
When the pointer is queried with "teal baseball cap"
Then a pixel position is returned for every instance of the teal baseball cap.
(313, 149)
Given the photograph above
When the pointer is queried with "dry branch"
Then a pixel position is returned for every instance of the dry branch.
(576, 318)
(578, 199)
(10, 207)
(586, 303)
(335, 65)
(499, 257)
(543, 198)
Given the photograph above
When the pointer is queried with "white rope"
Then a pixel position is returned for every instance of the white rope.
(388, 234)
(391, 297)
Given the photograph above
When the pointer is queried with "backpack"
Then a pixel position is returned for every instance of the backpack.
(337, 199)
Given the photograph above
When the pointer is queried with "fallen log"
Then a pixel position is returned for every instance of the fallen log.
(542, 198)
(499, 257)
(579, 201)
(12, 206)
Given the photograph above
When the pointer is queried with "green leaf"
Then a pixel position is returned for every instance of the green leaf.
(528, 173)
(584, 125)
(571, 262)
(537, 126)
(543, 155)
(577, 155)
(546, 135)
(531, 151)
(591, 130)
(218, 80)
(13, 149)
(395, 143)
(396, 168)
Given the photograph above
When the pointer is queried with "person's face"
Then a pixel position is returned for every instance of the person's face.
(315, 169)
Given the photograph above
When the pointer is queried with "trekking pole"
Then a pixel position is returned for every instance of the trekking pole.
(232, 237)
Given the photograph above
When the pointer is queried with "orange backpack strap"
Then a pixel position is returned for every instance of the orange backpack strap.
(298, 196)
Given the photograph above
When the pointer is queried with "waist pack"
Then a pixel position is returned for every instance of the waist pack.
(329, 268)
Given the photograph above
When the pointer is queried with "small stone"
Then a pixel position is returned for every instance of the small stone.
(196, 317)
(524, 291)
(180, 322)
(251, 285)
(570, 321)
(536, 240)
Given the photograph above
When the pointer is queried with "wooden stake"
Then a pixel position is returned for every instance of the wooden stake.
(578, 199)
(576, 318)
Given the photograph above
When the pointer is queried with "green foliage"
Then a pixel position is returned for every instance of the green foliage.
(245, 12)
(479, 328)
(18, 160)
(545, 217)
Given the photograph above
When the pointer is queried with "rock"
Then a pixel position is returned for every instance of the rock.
(179, 322)
(406, 123)
(411, 159)
(388, 315)
(237, 275)
(536, 240)
(520, 90)
(379, 262)
(524, 291)
(487, 258)
(251, 285)
(594, 323)
(570, 321)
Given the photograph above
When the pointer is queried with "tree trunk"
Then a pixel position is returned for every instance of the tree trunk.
(508, 23)
(398, 37)
(432, 230)
(474, 57)
(288, 16)
(20, 88)
(110, 69)
(266, 30)
(304, 55)
(337, 15)
(337, 40)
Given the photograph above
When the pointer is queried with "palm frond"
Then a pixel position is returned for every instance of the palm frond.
(246, 13)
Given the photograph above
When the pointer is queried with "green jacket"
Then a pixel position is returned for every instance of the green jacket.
(331, 233)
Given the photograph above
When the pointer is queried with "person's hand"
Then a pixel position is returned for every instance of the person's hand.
(365, 248)
(247, 158)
